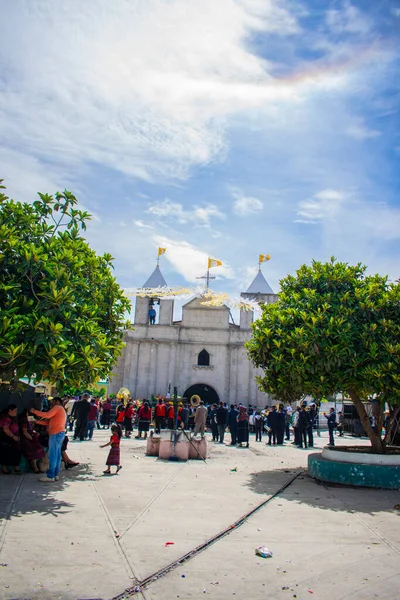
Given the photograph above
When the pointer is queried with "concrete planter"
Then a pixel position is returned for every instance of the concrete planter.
(356, 468)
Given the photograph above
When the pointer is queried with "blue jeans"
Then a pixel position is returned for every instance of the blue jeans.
(54, 453)
(90, 428)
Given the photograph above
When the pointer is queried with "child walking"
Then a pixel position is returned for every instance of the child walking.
(113, 458)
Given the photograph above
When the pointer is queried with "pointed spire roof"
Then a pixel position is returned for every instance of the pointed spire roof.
(156, 279)
(259, 285)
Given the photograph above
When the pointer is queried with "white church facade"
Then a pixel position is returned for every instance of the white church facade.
(201, 354)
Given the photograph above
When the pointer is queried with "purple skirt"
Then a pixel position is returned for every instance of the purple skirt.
(113, 457)
(32, 449)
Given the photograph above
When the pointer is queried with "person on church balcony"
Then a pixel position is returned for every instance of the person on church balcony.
(243, 427)
(152, 315)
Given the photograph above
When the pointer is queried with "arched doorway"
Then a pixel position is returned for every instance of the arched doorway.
(205, 391)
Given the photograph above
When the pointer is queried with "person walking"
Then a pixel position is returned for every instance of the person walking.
(144, 419)
(55, 419)
(288, 422)
(92, 419)
(213, 423)
(303, 424)
(200, 418)
(295, 423)
(272, 423)
(280, 425)
(185, 417)
(221, 416)
(160, 413)
(233, 414)
(258, 425)
(310, 427)
(80, 412)
(331, 419)
(339, 427)
(243, 427)
(106, 414)
(114, 456)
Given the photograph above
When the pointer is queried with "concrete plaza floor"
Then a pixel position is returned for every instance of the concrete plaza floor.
(91, 536)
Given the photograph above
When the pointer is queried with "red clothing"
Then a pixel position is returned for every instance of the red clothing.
(171, 412)
(115, 440)
(144, 413)
(129, 412)
(93, 410)
(9, 422)
(160, 410)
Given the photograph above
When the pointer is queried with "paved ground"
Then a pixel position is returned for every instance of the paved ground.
(91, 536)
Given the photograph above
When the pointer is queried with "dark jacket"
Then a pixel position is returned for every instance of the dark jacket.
(221, 415)
(272, 419)
(331, 418)
(232, 417)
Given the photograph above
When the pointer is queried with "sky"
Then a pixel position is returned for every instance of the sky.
(221, 128)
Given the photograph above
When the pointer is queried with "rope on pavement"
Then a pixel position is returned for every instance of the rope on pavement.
(143, 584)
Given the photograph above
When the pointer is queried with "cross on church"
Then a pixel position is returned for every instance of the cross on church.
(207, 277)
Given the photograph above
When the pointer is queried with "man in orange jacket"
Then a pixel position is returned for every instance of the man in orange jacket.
(55, 419)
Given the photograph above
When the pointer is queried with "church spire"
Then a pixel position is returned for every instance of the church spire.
(156, 279)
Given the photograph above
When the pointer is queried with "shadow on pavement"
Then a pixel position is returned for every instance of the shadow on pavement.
(306, 490)
(25, 494)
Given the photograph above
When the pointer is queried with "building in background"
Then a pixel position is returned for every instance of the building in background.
(201, 354)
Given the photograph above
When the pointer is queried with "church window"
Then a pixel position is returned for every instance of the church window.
(203, 359)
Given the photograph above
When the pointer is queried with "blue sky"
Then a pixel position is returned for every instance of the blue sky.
(220, 128)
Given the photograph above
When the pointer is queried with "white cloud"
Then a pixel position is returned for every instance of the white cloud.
(348, 19)
(189, 261)
(246, 205)
(359, 131)
(143, 86)
(323, 205)
(141, 224)
(199, 215)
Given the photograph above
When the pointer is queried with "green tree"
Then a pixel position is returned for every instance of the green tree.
(333, 329)
(62, 313)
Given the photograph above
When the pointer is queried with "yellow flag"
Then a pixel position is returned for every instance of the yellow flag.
(264, 257)
(212, 262)
(161, 251)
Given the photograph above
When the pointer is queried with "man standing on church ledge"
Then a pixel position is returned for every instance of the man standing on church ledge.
(152, 315)
(200, 418)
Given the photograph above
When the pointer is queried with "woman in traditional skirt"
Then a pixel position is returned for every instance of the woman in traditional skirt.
(10, 449)
(243, 427)
(113, 459)
(144, 417)
(128, 426)
(31, 448)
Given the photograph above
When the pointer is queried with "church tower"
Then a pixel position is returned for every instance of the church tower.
(260, 291)
(163, 307)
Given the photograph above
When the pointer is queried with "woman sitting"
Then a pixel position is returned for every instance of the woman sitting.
(31, 448)
(10, 449)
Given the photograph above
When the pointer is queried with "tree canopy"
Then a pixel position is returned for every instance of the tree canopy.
(333, 329)
(62, 313)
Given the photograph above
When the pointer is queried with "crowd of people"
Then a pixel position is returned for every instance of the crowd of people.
(42, 441)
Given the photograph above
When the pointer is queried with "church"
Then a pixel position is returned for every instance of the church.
(201, 354)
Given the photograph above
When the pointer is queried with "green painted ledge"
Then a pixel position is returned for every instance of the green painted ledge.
(351, 473)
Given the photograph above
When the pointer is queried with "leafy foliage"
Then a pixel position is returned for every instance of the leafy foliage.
(332, 329)
(61, 309)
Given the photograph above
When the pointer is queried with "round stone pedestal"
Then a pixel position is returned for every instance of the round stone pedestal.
(356, 468)
(198, 448)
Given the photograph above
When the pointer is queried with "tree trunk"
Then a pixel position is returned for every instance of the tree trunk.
(391, 426)
(376, 441)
